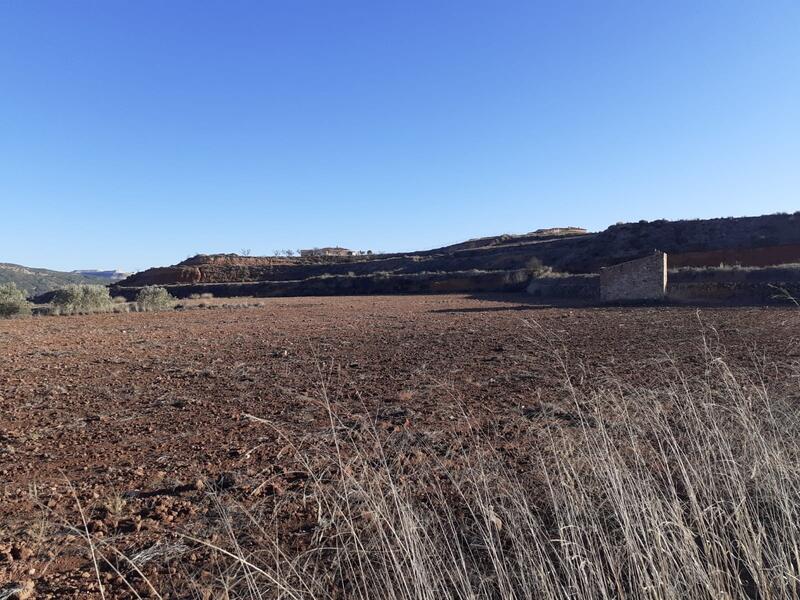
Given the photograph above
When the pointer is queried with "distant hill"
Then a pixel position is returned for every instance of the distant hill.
(39, 281)
(767, 240)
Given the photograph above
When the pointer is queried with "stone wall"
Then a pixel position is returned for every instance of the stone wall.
(566, 287)
(764, 285)
(702, 286)
(733, 292)
(346, 285)
(635, 280)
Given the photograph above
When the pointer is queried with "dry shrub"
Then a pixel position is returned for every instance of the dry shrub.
(82, 299)
(13, 301)
(154, 298)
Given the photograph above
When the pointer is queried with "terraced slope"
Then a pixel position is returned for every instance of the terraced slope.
(756, 241)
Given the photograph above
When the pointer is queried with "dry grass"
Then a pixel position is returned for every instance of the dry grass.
(687, 489)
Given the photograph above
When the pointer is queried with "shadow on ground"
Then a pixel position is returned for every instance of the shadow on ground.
(513, 302)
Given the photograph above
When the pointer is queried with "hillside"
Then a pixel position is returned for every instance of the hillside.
(38, 281)
(748, 241)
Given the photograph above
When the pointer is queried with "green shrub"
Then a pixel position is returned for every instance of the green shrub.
(154, 298)
(13, 301)
(82, 299)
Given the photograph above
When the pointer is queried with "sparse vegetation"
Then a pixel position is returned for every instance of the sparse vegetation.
(39, 281)
(154, 298)
(536, 268)
(78, 299)
(288, 253)
(725, 267)
(518, 277)
(12, 301)
(681, 490)
(784, 294)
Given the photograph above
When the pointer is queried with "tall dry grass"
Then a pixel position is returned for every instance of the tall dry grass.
(686, 488)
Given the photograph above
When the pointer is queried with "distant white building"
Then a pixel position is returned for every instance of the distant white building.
(98, 274)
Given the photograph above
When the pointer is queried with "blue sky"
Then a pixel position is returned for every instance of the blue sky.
(134, 134)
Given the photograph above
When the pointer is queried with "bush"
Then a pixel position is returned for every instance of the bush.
(13, 301)
(82, 299)
(154, 298)
(534, 266)
(517, 276)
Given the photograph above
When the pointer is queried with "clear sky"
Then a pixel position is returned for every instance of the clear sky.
(136, 133)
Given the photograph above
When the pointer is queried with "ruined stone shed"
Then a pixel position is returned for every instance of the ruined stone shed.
(642, 279)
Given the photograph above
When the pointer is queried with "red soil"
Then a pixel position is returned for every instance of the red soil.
(151, 408)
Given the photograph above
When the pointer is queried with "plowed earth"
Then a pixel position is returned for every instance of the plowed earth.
(137, 419)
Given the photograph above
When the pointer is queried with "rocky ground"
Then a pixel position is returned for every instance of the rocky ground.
(127, 429)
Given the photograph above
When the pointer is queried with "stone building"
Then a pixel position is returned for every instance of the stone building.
(635, 280)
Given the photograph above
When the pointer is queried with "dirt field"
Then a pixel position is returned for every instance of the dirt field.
(140, 417)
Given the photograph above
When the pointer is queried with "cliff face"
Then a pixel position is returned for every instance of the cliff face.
(757, 241)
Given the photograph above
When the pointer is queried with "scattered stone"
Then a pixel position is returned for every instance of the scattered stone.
(19, 552)
(22, 590)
